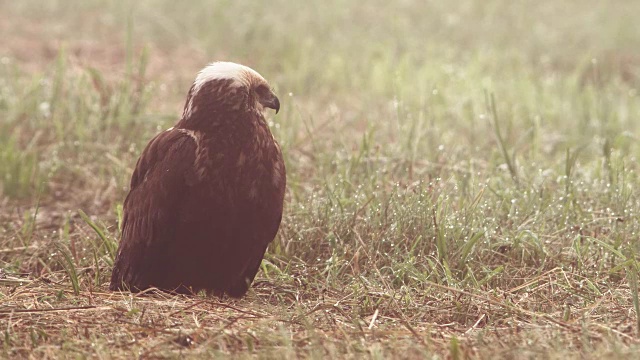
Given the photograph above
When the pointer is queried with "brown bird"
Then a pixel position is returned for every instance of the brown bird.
(206, 195)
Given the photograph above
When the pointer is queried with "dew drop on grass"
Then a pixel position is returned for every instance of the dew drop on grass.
(45, 109)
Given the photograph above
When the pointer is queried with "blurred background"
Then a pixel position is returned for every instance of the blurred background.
(335, 44)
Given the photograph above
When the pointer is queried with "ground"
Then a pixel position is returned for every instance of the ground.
(462, 177)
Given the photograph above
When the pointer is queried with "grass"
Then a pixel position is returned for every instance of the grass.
(462, 177)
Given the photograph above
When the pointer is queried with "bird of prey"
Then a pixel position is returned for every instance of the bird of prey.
(206, 195)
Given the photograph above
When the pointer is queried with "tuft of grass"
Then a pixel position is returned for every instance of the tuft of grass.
(491, 108)
(67, 262)
(19, 170)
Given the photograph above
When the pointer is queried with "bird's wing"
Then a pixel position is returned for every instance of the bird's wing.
(161, 177)
(266, 221)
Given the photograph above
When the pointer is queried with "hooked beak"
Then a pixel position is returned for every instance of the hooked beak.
(271, 101)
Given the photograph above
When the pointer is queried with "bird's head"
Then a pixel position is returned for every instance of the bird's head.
(229, 87)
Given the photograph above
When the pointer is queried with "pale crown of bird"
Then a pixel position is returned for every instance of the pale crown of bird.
(241, 88)
(240, 74)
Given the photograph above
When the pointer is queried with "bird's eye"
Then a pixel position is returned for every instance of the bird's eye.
(262, 90)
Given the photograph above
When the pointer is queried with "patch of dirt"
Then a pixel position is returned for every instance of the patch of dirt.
(36, 44)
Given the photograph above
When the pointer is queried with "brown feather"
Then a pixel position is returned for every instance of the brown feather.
(206, 198)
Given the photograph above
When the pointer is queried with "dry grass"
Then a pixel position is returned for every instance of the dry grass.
(287, 320)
